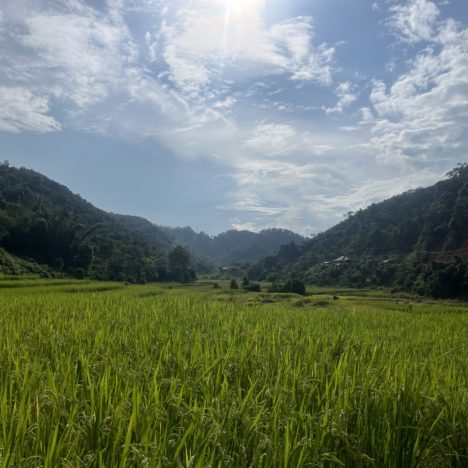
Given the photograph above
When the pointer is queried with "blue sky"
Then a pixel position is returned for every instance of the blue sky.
(237, 114)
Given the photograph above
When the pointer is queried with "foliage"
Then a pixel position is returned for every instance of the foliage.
(179, 266)
(43, 221)
(151, 376)
(407, 241)
(252, 287)
(291, 286)
(11, 265)
(234, 284)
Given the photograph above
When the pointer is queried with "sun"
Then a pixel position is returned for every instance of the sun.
(239, 16)
(241, 7)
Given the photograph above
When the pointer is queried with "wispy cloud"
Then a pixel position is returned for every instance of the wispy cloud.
(207, 40)
(21, 110)
(79, 55)
(370, 191)
(415, 21)
(346, 94)
(267, 102)
(423, 115)
(272, 139)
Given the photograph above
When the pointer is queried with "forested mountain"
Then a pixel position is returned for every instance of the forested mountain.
(42, 222)
(159, 235)
(233, 247)
(45, 228)
(417, 241)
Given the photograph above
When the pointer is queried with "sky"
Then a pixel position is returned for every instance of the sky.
(235, 114)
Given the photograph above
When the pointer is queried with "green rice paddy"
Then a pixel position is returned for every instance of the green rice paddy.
(109, 375)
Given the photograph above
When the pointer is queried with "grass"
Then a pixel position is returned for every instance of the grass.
(101, 375)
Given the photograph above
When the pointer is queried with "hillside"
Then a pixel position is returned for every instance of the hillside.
(47, 229)
(42, 222)
(159, 235)
(234, 247)
(417, 241)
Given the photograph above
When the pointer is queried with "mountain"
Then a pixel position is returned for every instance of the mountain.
(234, 247)
(416, 241)
(47, 229)
(158, 236)
(46, 226)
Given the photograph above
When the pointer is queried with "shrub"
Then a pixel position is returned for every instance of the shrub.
(291, 286)
(253, 287)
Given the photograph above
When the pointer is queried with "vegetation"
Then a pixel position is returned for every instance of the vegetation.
(42, 222)
(115, 375)
(291, 286)
(9, 264)
(417, 241)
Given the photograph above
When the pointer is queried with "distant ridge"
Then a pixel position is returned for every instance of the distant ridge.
(234, 247)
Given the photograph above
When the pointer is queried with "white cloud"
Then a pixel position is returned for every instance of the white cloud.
(346, 96)
(370, 191)
(423, 115)
(307, 197)
(20, 110)
(205, 39)
(226, 103)
(82, 56)
(276, 193)
(305, 62)
(78, 54)
(275, 140)
(238, 225)
(204, 80)
(272, 139)
(416, 20)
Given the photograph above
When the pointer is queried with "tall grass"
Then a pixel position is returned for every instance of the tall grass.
(174, 378)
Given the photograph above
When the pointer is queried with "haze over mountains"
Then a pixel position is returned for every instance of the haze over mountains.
(233, 246)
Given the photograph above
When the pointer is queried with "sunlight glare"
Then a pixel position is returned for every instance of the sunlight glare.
(240, 11)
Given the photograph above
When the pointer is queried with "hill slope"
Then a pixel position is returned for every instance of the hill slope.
(45, 222)
(409, 240)
(233, 247)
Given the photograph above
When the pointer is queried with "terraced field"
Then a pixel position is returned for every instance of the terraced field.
(106, 374)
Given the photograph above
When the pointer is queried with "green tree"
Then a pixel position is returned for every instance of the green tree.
(179, 266)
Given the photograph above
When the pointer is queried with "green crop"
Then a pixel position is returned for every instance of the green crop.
(110, 376)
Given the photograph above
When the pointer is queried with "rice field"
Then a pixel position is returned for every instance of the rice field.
(108, 375)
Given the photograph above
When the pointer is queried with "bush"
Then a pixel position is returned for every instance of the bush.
(79, 273)
(291, 286)
(253, 287)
